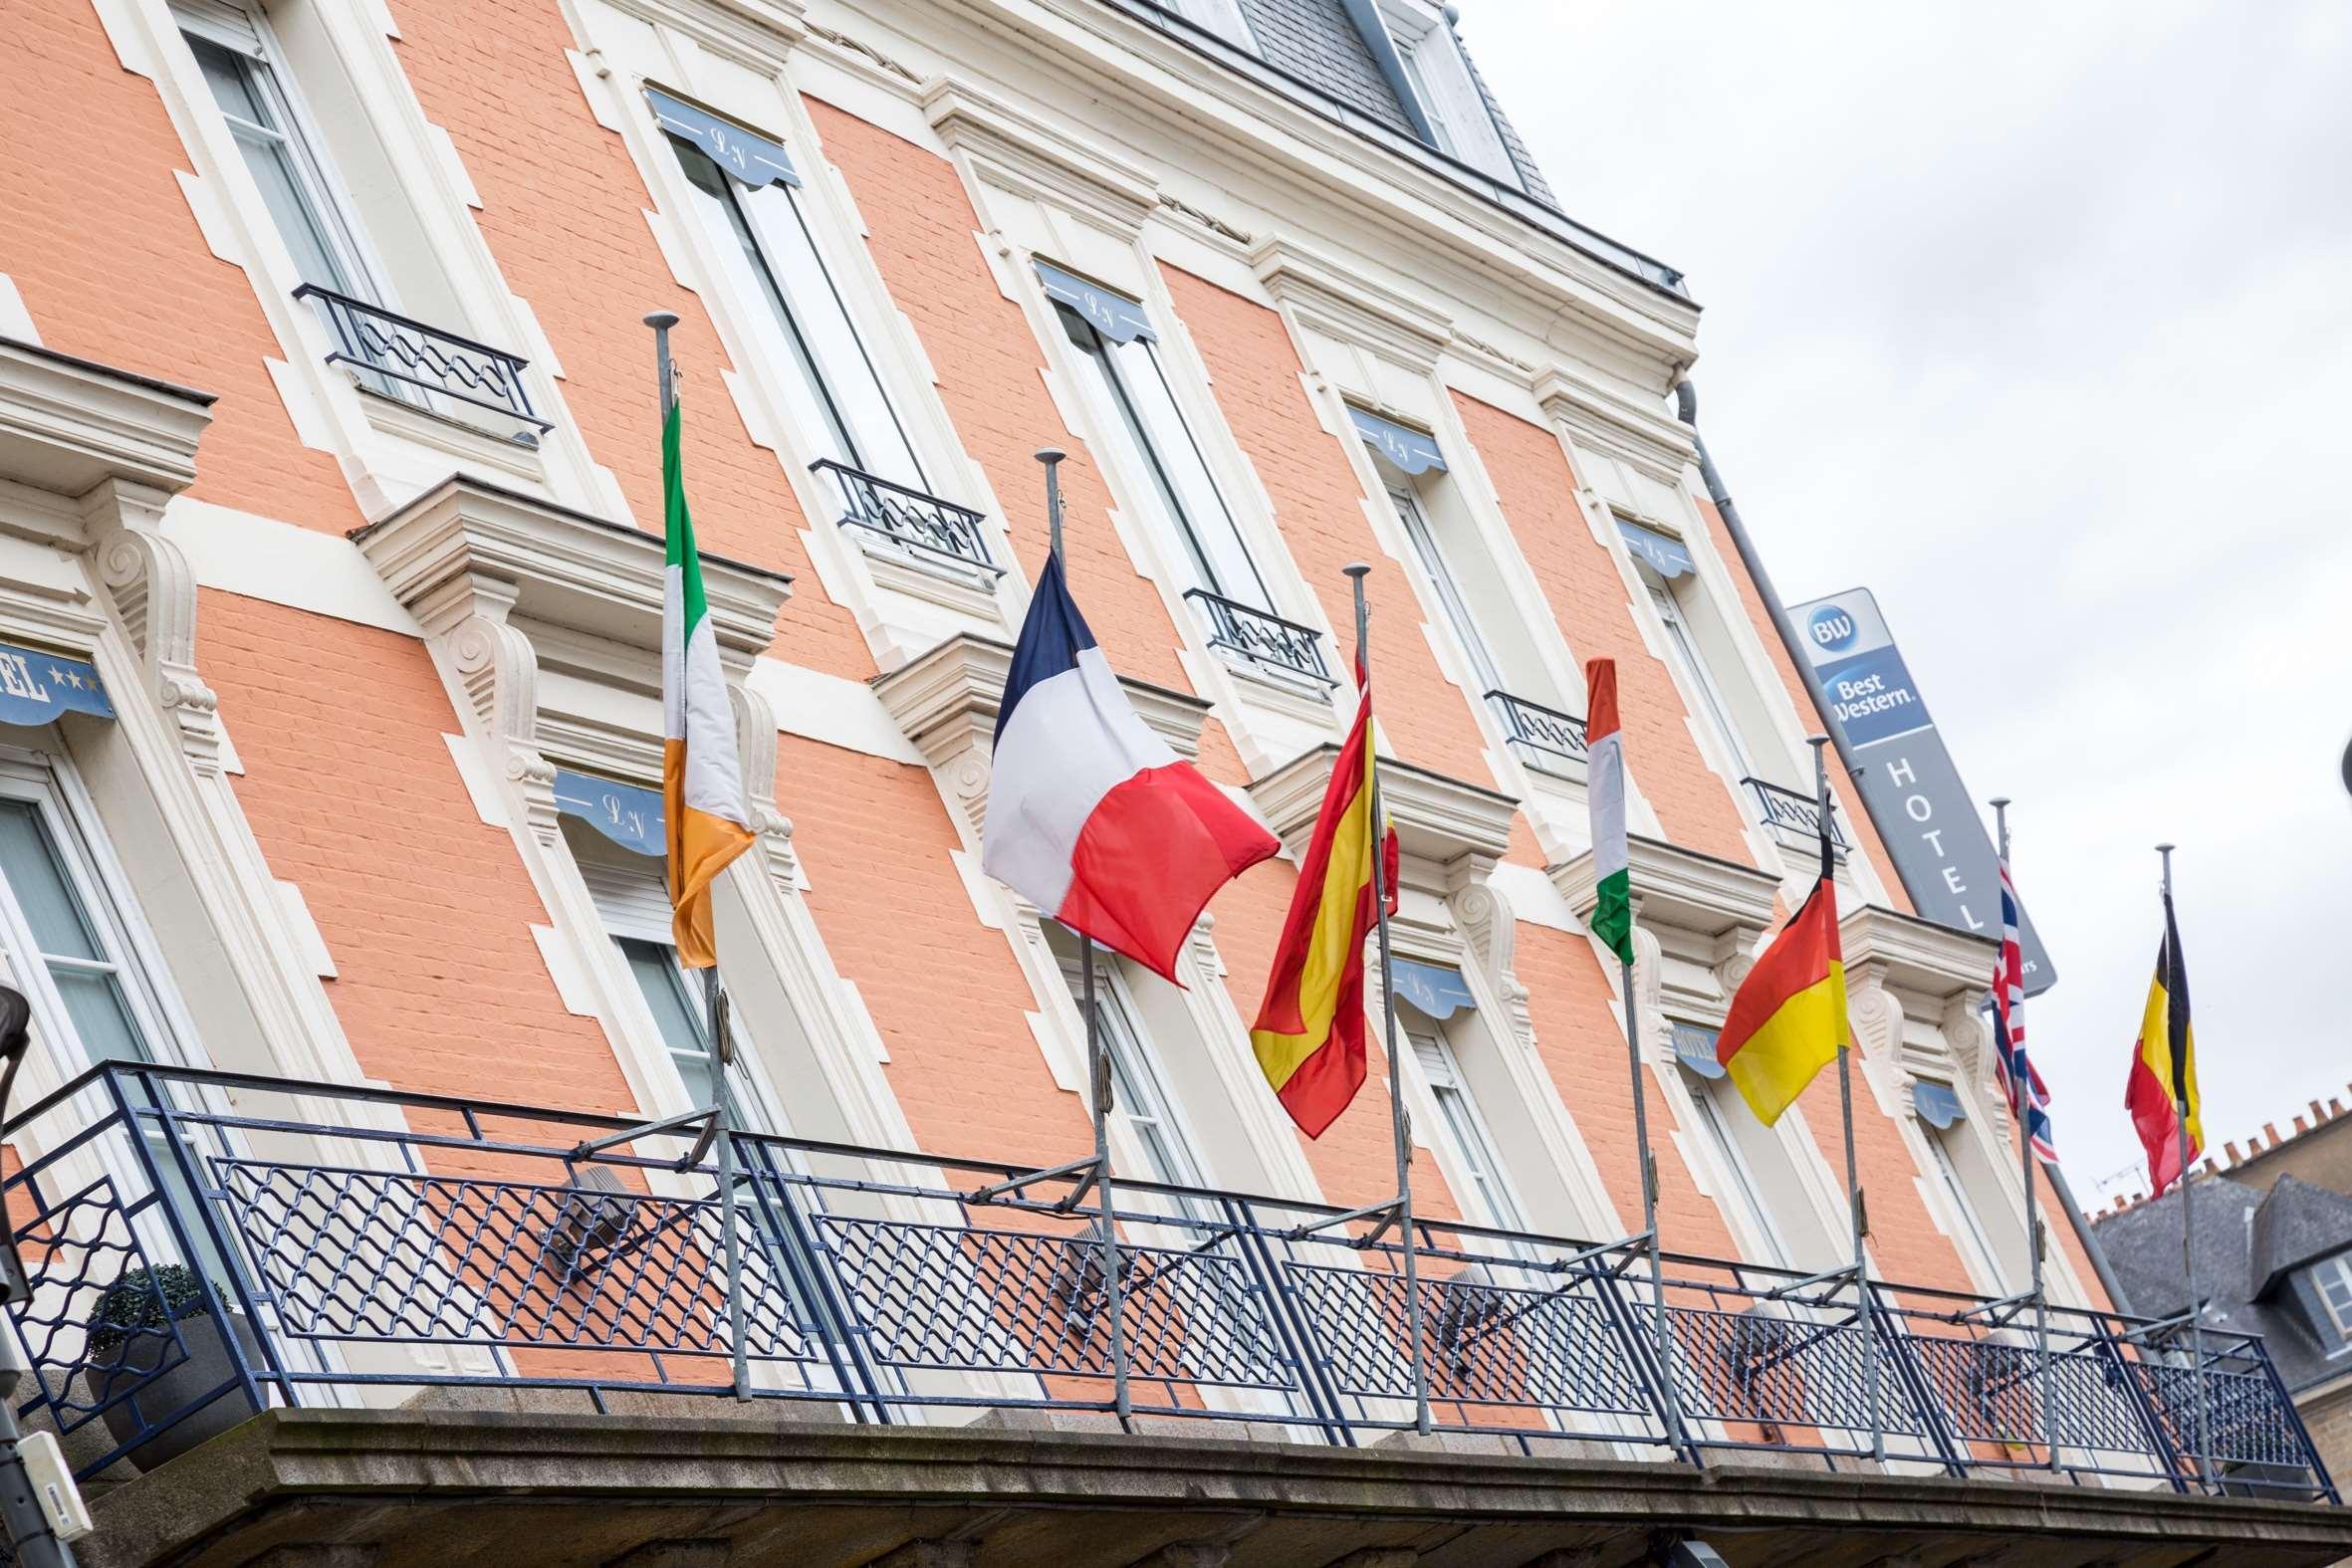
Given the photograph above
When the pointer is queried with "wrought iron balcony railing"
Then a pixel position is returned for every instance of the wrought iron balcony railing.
(937, 528)
(205, 1245)
(377, 341)
(1795, 818)
(1264, 639)
(1545, 738)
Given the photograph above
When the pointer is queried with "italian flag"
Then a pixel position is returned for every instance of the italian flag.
(1604, 788)
(703, 812)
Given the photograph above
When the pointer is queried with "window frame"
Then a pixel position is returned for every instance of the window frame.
(1751, 1199)
(1975, 1235)
(1115, 406)
(265, 67)
(1474, 1146)
(2339, 1314)
(1420, 532)
(1135, 1070)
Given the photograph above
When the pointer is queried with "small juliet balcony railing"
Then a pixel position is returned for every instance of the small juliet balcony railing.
(426, 361)
(938, 531)
(202, 1246)
(1795, 818)
(1546, 738)
(1281, 648)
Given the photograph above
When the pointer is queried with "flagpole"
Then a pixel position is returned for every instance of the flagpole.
(2022, 1082)
(1398, 1125)
(1098, 1062)
(1864, 1315)
(722, 1132)
(2172, 962)
(1649, 1217)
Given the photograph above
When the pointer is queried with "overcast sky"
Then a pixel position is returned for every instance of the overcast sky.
(2037, 321)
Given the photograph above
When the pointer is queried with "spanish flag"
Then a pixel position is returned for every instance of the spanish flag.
(2164, 1065)
(1310, 1033)
(1788, 1018)
(704, 818)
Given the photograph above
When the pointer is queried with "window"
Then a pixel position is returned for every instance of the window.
(1491, 1201)
(253, 93)
(1483, 670)
(1745, 1196)
(1222, 17)
(632, 894)
(1131, 387)
(1685, 644)
(66, 946)
(2333, 1280)
(1973, 1232)
(1438, 78)
(764, 243)
(1138, 1093)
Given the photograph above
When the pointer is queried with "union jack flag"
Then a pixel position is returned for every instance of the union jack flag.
(2008, 1029)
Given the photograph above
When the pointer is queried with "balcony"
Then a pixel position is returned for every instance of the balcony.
(938, 533)
(1546, 738)
(423, 364)
(1795, 818)
(1283, 649)
(362, 1246)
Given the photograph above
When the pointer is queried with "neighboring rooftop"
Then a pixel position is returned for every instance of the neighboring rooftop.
(2319, 1149)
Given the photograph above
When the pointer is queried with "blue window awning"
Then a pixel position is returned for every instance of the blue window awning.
(1409, 449)
(1114, 315)
(1938, 1104)
(35, 687)
(1694, 1047)
(628, 815)
(746, 154)
(1667, 556)
(1436, 990)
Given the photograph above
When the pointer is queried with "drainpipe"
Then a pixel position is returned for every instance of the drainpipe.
(1685, 403)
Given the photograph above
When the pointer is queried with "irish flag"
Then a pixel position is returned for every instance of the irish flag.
(704, 815)
(1604, 788)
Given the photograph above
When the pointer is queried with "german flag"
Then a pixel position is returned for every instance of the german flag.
(1310, 1033)
(2162, 1093)
(1788, 1018)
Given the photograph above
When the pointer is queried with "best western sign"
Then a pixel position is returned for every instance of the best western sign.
(1921, 809)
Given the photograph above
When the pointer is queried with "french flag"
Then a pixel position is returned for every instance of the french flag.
(1091, 817)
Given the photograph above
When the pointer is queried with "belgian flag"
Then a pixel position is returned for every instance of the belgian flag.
(2161, 1092)
(1788, 1018)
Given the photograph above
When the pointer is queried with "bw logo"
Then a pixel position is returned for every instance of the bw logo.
(1830, 628)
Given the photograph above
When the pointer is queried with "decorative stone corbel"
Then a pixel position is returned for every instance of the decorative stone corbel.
(1874, 1011)
(754, 742)
(1966, 1035)
(1490, 932)
(153, 591)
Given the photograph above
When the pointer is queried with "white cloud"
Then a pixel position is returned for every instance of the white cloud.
(2034, 320)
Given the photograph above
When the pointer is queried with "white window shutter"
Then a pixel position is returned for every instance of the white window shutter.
(1461, 106)
(1222, 17)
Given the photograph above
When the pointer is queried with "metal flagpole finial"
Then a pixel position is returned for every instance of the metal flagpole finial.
(665, 375)
(1052, 457)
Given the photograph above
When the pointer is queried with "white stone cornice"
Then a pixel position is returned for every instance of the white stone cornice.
(468, 547)
(1347, 304)
(1672, 886)
(1598, 419)
(1013, 149)
(1921, 957)
(756, 33)
(1450, 832)
(945, 700)
(67, 426)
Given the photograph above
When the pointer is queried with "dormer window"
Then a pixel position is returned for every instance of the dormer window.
(1433, 77)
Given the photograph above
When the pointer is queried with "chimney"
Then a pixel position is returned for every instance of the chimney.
(2301, 1127)
(2231, 1149)
(2270, 1131)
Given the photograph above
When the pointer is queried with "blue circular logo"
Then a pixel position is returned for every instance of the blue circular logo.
(1831, 628)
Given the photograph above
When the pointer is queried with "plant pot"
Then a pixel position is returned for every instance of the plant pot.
(174, 1395)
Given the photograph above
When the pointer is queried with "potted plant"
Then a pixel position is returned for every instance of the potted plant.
(133, 1360)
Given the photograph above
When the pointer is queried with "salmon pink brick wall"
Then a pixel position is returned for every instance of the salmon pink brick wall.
(563, 208)
(1581, 581)
(1320, 507)
(354, 799)
(102, 245)
(923, 235)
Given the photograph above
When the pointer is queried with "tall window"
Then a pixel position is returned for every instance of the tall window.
(762, 239)
(632, 898)
(249, 85)
(1971, 1224)
(1491, 1200)
(1695, 671)
(1139, 1092)
(66, 946)
(1748, 1152)
(1129, 389)
(1483, 670)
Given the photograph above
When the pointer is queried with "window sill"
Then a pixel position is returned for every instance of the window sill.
(1293, 692)
(473, 444)
(934, 580)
